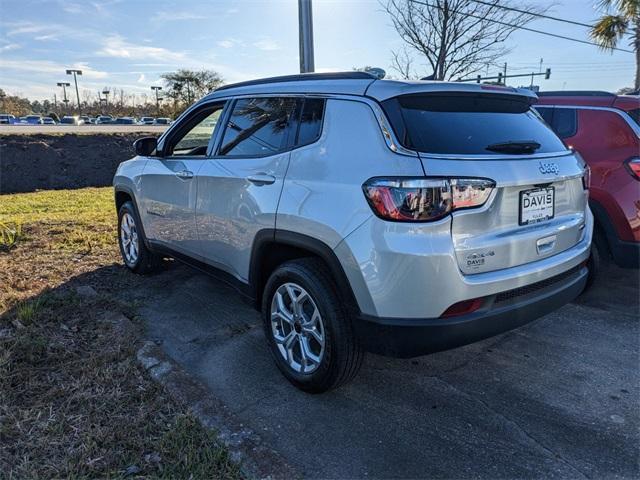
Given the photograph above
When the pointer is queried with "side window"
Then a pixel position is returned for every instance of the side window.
(310, 121)
(564, 122)
(546, 113)
(193, 138)
(258, 127)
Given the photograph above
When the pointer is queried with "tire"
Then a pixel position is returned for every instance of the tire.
(135, 254)
(329, 363)
(599, 253)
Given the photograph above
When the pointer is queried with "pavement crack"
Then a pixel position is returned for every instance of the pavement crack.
(515, 424)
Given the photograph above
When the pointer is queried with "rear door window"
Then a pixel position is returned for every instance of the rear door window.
(258, 127)
(469, 124)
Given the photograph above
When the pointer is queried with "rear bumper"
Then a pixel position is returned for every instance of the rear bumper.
(405, 338)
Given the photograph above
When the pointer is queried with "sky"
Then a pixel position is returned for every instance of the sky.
(128, 44)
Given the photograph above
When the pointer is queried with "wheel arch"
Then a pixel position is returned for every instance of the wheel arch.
(123, 194)
(272, 248)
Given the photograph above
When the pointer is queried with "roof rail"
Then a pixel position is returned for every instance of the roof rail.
(355, 75)
(576, 93)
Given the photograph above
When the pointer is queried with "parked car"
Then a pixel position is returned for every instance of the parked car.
(6, 119)
(124, 121)
(71, 120)
(316, 205)
(48, 121)
(163, 121)
(85, 119)
(605, 129)
(147, 120)
(33, 119)
(104, 119)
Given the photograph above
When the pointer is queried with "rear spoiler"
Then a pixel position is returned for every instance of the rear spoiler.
(382, 90)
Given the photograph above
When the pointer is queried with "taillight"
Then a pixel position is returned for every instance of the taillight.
(424, 199)
(633, 165)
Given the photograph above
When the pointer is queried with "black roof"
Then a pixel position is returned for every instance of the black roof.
(576, 93)
(355, 75)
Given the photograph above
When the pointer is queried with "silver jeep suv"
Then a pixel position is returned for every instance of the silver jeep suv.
(361, 214)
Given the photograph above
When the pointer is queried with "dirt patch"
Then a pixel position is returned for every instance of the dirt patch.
(44, 162)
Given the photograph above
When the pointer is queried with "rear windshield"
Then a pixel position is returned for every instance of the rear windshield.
(469, 124)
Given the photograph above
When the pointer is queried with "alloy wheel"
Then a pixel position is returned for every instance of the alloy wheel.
(129, 238)
(297, 328)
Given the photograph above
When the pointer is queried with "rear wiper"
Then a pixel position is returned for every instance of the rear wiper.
(515, 146)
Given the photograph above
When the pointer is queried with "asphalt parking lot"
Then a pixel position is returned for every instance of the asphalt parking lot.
(78, 129)
(558, 398)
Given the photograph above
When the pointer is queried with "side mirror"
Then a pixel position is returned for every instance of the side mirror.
(145, 146)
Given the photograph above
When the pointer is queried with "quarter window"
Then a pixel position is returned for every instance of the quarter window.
(310, 121)
(564, 122)
(258, 127)
(546, 113)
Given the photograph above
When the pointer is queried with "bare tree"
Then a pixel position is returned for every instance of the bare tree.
(455, 37)
(402, 62)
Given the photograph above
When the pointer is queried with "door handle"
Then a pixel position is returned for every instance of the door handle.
(184, 174)
(261, 179)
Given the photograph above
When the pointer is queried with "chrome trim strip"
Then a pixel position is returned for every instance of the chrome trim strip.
(453, 156)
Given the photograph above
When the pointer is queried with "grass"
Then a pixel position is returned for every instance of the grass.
(73, 400)
(10, 234)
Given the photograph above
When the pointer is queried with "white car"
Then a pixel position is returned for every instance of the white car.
(396, 217)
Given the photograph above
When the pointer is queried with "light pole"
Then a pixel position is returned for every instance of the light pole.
(305, 34)
(157, 89)
(106, 93)
(75, 73)
(64, 86)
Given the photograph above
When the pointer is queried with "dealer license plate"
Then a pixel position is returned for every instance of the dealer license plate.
(536, 205)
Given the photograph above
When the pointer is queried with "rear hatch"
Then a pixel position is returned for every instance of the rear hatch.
(537, 207)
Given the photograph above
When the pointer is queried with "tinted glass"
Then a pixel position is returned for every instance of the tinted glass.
(546, 113)
(564, 122)
(258, 127)
(468, 124)
(310, 121)
(635, 114)
(196, 140)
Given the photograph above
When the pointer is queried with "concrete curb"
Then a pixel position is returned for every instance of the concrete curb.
(245, 446)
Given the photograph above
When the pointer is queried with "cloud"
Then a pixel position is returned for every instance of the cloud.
(46, 31)
(266, 44)
(22, 28)
(9, 47)
(141, 78)
(72, 8)
(226, 43)
(44, 38)
(116, 46)
(49, 67)
(162, 17)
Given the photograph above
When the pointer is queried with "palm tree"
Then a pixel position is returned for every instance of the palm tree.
(621, 17)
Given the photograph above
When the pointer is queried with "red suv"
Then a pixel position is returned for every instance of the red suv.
(605, 129)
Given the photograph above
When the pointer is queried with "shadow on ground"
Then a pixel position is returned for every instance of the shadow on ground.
(558, 398)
